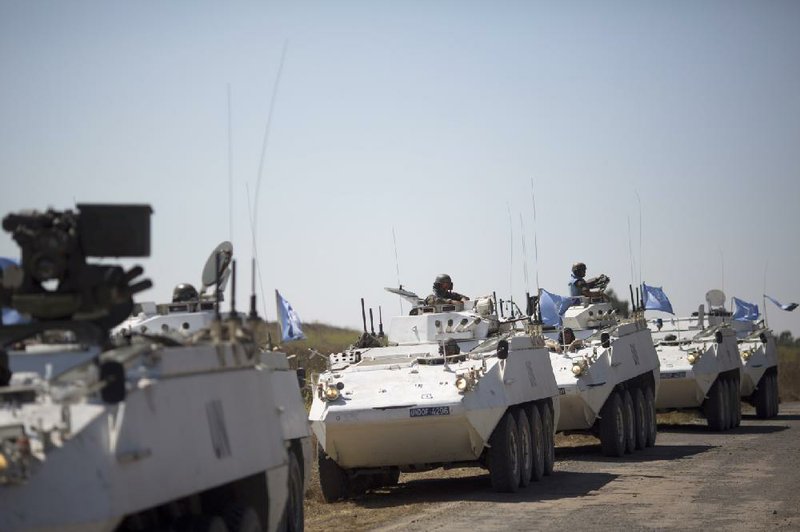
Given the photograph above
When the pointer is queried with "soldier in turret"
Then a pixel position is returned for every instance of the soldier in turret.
(578, 286)
(443, 292)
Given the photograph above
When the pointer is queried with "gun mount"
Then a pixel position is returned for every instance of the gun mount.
(57, 287)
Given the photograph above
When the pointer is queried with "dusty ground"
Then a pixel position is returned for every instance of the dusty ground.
(744, 479)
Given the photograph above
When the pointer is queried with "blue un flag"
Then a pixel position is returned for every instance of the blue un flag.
(744, 311)
(656, 299)
(553, 307)
(291, 328)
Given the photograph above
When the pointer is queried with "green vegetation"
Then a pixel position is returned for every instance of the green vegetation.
(788, 367)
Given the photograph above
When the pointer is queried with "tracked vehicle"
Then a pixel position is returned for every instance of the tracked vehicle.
(452, 385)
(147, 434)
(608, 378)
(700, 364)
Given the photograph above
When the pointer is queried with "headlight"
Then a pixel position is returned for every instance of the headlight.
(579, 367)
(746, 354)
(692, 357)
(331, 393)
(3, 462)
(462, 384)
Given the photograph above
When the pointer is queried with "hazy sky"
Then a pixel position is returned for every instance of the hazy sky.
(426, 118)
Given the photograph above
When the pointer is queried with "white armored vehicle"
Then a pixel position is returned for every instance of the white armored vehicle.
(455, 386)
(607, 377)
(700, 364)
(149, 434)
(759, 372)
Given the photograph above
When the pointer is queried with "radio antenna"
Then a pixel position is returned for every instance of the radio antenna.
(524, 254)
(641, 258)
(256, 265)
(397, 268)
(510, 251)
(230, 167)
(535, 240)
(630, 253)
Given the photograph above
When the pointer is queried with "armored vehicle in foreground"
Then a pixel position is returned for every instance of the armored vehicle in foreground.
(455, 386)
(148, 434)
(608, 377)
(700, 364)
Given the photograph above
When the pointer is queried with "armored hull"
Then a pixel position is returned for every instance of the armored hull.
(612, 374)
(409, 406)
(759, 354)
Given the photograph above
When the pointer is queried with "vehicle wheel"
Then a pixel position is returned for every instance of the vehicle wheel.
(293, 519)
(650, 410)
(630, 422)
(726, 400)
(525, 447)
(736, 403)
(761, 398)
(775, 395)
(714, 407)
(242, 519)
(537, 441)
(640, 418)
(612, 426)
(504, 463)
(548, 437)
(391, 477)
(332, 478)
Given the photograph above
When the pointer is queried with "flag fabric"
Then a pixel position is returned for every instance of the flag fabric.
(552, 307)
(788, 307)
(744, 311)
(291, 328)
(656, 299)
(10, 316)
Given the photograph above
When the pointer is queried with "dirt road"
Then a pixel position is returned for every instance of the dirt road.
(744, 479)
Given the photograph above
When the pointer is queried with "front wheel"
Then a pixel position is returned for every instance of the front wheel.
(293, 518)
(612, 426)
(504, 462)
(714, 407)
(332, 478)
(640, 418)
(548, 431)
(652, 421)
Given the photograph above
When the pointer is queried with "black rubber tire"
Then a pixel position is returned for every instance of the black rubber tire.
(726, 400)
(714, 406)
(390, 477)
(537, 441)
(612, 426)
(525, 446)
(242, 519)
(640, 418)
(504, 463)
(201, 523)
(630, 421)
(762, 397)
(736, 403)
(774, 396)
(548, 431)
(293, 519)
(652, 421)
(333, 479)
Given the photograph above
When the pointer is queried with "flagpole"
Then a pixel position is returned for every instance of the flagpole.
(764, 294)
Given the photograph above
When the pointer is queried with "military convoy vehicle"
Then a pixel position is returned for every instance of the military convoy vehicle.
(151, 432)
(700, 364)
(608, 377)
(453, 384)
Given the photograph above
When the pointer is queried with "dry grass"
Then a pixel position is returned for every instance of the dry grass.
(789, 372)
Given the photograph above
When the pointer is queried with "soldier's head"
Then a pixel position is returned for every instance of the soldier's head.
(450, 348)
(443, 282)
(184, 292)
(566, 337)
(579, 269)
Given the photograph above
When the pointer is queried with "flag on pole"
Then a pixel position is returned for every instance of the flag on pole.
(10, 315)
(656, 299)
(553, 307)
(788, 307)
(291, 328)
(744, 311)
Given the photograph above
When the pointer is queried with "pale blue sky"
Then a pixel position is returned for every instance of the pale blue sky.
(430, 118)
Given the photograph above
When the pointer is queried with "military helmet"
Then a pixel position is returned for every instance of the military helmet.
(442, 278)
(578, 266)
(184, 292)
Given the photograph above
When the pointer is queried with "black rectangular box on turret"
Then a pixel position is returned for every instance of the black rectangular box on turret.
(114, 230)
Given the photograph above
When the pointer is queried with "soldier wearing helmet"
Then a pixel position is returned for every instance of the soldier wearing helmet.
(578, 286)
(184, 292)
(443, 291)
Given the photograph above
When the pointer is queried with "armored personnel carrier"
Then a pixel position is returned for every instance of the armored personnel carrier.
(453, 385)
(700, 364)
(607, 377)
(759, 363)
(147, 434)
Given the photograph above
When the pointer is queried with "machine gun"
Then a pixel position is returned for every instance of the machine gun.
(55, 285)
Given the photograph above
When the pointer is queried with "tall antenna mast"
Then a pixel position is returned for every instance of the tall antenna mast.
(524, 254)
(764, 293)
(256, 265)
(641, 258)
(267, 128)
(630, 253)
(535, 240)
(511, 252)
(230, 168)
(397, 268)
